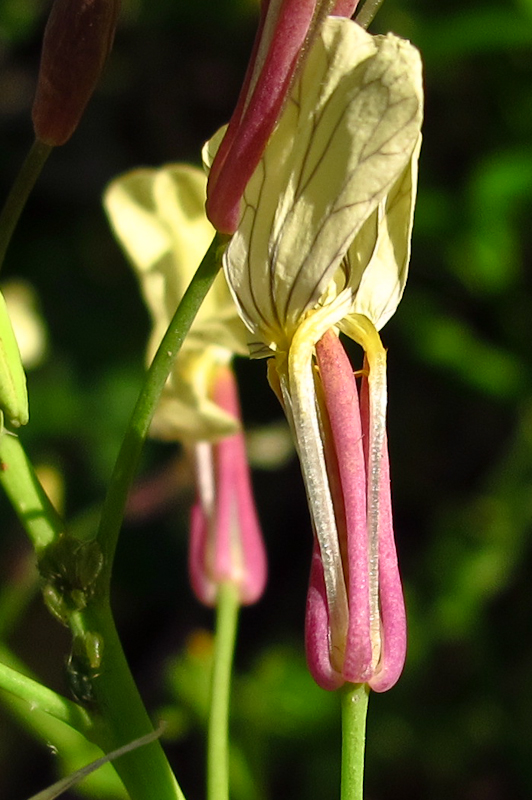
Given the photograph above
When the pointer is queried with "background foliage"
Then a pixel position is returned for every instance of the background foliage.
(459, 721)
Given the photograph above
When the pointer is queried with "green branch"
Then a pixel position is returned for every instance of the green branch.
(40, 697)
(128, 458)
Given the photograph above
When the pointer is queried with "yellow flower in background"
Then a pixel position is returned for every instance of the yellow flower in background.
(158, 216)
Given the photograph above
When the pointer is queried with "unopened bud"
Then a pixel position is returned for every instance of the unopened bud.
(77, 40)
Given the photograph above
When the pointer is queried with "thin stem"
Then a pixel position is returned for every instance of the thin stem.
(127, 461)
(44, 699)
(39, 518)
(20, 191)
(218, 733)
(354, 709)
(368, 12)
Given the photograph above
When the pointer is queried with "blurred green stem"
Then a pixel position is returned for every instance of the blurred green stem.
(19, 588)
(218, 733)
(367, 14)
(128, 458)
(39, 518)
(40, 697)
(20, 191)
(354, 710)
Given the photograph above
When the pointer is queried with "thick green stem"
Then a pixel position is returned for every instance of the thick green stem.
(146, 773)
(20, 191)
(44, 699)
(218, 733)
(115, 708)
(354, 710)
(127, 461)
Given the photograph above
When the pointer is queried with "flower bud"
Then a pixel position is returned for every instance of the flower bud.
(286, 30)
(77, 40)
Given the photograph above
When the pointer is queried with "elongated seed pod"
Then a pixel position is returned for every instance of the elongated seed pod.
(77, 41)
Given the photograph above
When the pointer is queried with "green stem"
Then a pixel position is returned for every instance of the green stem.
(44, 699)
(127, 461)
(367, 14)
(218, 732)
(20, 191)
(145, 773)
(31, 503)
(62, 785)
(354, 709)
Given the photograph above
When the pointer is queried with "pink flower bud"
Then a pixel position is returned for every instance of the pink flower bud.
(285, 30)
(225, 541)
(77, 41)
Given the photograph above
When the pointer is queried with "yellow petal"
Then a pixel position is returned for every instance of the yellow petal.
(380, 278)
(345, 137)
(159, 219)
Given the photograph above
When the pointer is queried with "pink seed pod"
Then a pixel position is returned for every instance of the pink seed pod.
(77, 41)
(372, 649)
(226, 544)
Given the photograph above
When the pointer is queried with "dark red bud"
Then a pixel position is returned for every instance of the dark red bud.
(77, 40)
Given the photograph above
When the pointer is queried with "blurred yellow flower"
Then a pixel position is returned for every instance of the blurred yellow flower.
(158, 216)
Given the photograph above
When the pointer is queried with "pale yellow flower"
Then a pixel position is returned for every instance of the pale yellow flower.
(159, 218)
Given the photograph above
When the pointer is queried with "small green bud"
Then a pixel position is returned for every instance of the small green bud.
(77, 41)
(13, 393)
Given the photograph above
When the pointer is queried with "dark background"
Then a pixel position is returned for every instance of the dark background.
(460, 419)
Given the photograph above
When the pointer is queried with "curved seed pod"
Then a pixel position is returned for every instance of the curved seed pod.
(77, 40)
(13, 393)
